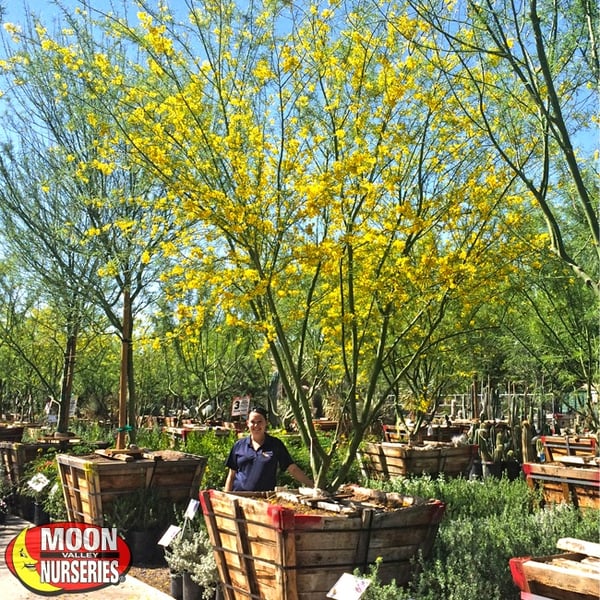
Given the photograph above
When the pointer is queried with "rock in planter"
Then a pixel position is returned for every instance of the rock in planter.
(283, 545)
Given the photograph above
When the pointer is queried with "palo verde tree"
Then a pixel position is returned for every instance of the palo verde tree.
(101, 217)
(526, 74)
(32, 343)
(35, 214)
(339, 198)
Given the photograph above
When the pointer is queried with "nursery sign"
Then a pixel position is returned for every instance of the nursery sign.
(68, 557)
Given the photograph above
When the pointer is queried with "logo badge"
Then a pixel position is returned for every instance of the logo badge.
(68, 557)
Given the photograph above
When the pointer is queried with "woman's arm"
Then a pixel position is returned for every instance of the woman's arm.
(299, 475)
(229, 482)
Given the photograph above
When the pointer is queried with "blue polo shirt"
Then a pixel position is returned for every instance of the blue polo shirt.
(256, 470)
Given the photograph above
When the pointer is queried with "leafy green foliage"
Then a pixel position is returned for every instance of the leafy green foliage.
(154, 439)
(141, 510)
(301, 455)
(216, 449)
(486, 524)
(44, 465)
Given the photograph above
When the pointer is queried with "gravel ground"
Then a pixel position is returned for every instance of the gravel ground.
(156, 576)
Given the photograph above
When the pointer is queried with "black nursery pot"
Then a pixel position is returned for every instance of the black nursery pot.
(40, 516)
(512, 468)
(191, 590)
(144, 547)
(476, 471)
(492, 469)
(176, 586)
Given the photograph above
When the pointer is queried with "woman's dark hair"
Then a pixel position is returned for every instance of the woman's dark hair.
(260, 410)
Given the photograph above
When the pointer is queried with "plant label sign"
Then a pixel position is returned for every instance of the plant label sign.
(192, 509)
(169, 535)
(349, 587)
(240, 406)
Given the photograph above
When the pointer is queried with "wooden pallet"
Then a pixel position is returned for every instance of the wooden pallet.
(572, 575)
(565, 483)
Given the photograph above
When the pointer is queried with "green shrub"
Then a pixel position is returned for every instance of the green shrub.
(486, 524)
(153, 439)
(301, 455)
(216, 449)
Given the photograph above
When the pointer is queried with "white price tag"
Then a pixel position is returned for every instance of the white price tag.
(169, 535)
(192, 509)
(349, 587)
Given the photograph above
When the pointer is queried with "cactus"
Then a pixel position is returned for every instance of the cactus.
(527, 448)
(498, 454)
(483, 441)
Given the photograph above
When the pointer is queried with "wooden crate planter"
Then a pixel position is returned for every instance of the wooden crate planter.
(440, 433)
(573, 575)
(574, 484)
(325, 424)
(388, 459)
(92, 482)
(556, 446)
(11, 433)
(266, 547)
(16, 455)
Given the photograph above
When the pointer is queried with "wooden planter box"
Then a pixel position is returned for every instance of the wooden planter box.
(441, 433)
(15, 455)
(389, 459)
(578, 485)
(325, 424)
(269, 547)
(11, 433)
(556, 446)
(92, 482)
(572, 575)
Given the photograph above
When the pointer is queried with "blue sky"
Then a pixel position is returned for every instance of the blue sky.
(46, 9)
(15, 11)
(588, 140)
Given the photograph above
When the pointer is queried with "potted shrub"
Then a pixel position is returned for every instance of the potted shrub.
(190, 556)
(6, 495)
(36, 488)
(3, 511)
(39, 489)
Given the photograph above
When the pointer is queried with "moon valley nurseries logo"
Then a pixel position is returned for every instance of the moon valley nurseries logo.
(68, 557)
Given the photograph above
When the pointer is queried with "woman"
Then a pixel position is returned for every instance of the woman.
(253, 460)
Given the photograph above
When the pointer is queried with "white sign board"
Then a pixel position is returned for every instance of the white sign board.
(169, 535)
(240, 406)
(192, 509)
(349, 587)
(73, 405)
